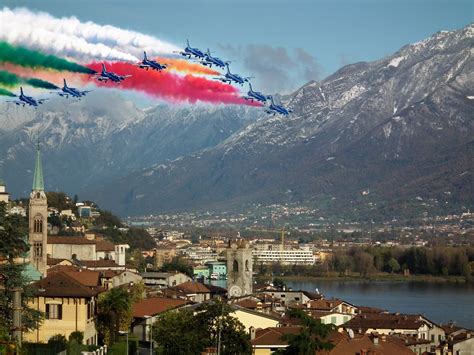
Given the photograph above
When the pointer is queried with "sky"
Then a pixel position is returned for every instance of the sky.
(283, 43)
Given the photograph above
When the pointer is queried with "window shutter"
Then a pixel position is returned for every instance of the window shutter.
(47, 311)
(60, 311)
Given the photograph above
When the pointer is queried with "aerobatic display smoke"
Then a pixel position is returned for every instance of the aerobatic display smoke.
(40, 50)
(11, 80)
(70, 37)
(172, 87)
(182, 65)
(5, 92)
(29, 58)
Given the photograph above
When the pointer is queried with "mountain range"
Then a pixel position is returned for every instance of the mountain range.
(375, 138)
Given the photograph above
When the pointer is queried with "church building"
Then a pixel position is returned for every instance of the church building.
(38, 219)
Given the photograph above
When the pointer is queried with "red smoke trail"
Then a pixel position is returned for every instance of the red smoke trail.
(170, 86)
(183, 65)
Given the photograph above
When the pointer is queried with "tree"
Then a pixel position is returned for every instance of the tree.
(215, 318)
(114, 314)
(176, 333)
(13, 246)
(183, 332)
(310, 339)
(178, 264)
(279, 283)
(393, 265)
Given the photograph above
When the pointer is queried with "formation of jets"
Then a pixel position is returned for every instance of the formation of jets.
(27, 100)
(67, 91)
(105, 76)
(204, 58)
(150, 64)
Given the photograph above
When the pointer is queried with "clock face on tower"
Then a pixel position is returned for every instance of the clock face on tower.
(235, 291)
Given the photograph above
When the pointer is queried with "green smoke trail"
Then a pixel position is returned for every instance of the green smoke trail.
(30, 58)
(5, 92)
(9, 79)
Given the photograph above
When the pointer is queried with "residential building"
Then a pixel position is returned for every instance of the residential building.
(84, 211)
(201, 272)
(164, 255)
(389, 323)
(164, 279)
(252, 318)
(284, 256)
(217, 268)
(332, 305)
(266, 341)
(69, 303)
(193, 291)
(147, 311)
(4, 196)
(116, 278)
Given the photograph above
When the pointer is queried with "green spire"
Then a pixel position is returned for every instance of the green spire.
(38, 182)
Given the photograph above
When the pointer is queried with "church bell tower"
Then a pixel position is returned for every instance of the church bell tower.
(38, 219)
(239, 269)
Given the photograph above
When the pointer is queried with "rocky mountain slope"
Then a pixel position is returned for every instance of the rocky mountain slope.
(400, 128)
(104, 137)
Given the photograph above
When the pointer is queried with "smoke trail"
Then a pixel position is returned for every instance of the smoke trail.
(47, 74)
(5, 92)
(29, 58)
(11, 80)
(184, 66)
(173, 87)
(70, 37)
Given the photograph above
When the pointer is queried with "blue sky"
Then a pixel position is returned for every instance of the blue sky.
(295, 40)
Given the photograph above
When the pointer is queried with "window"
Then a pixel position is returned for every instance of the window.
(432, 337)
(247, 265)
(54, 311)
(38, 249)
(333, 320)
(38, 224)
(235, 266)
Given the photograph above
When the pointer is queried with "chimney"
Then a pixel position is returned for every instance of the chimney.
(375, 338)
(252, 332)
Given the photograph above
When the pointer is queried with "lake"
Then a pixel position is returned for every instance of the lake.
(439, 302)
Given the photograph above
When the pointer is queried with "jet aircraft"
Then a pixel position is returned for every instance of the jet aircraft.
(276, 109)
(104, 75)
(27, 100)
(230, 77)
(67, 91)
(190, 51)
(255, 95)
(210, 60)
(150, 64)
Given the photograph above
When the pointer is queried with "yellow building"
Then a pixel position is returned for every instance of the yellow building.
(68, 304)
(250, 318)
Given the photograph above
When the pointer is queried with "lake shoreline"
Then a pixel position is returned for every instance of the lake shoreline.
(380, 278)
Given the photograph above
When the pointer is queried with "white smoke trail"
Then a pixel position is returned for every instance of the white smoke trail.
(70, 37)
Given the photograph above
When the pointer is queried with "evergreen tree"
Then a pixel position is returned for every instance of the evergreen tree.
(13, 247)
(311, 338)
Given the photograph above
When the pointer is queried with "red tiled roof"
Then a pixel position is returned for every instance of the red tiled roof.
(192, 287)
(85, 277)
(104, 245)
(59, 284)
(156, 305)
(323, 304)
(385, 321)
(55, 261)
(386, 345)
(272, 335)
